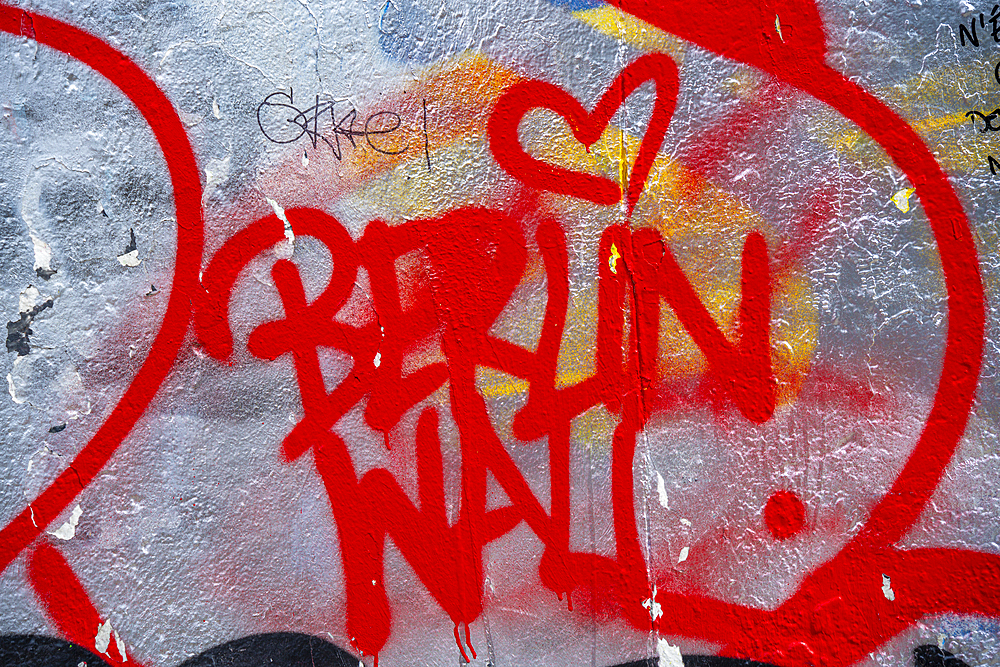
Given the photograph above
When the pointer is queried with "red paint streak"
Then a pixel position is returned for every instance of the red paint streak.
(170, 135)
(67, 604)
(752, 39)
(521, 98)
(784, 514)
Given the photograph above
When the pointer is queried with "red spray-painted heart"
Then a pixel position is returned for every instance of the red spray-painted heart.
(172, 139)
(587, 128)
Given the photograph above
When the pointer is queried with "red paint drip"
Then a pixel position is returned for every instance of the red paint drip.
(461, 647)
(468, 640)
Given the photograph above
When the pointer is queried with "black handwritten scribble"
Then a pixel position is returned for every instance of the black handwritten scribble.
(987, 119)
(988, 126)
(284, 123)
(972, 34)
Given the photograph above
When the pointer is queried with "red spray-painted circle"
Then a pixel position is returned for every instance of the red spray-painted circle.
(784, 514)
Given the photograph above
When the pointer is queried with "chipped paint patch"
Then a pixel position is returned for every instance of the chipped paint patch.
(668, 654)
(661, 490)
(887, 591)
(102, 640)
(652, 606)
(119, 644)
(130, 256)
(902, 199)
(130, 259)
(283, 249)
(103, 637)
(11, 390)
(68, 530)
(43, 257)
(19, 330)
(28, 299)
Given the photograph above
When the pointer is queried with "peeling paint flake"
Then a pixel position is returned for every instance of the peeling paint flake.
(283, 249)
(653, 607)
(661, 490)
(887, 591)
(11, 390)
(18, 330)
(668, 654)
(120, 645)
(43, 258)
(902, 199)
(103, 637)
(68, 530)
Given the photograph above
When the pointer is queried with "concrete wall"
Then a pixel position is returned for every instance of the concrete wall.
(549, 332)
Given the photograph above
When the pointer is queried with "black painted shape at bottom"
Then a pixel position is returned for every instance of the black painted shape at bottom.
(701, 661)
(291, 649)
(39, 651)
(930, 655)
(275, 649)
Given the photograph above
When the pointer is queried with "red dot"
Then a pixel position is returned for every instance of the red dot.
(784, 514)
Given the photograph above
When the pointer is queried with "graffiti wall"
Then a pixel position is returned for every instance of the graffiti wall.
(424, 332)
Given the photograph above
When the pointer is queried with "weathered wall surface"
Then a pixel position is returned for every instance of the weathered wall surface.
(506, 333)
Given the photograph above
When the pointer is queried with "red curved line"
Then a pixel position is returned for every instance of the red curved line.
(173, 141)
(67, 604)
(895, 513)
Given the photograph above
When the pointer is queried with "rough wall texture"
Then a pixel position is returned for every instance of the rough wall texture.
(424, 331)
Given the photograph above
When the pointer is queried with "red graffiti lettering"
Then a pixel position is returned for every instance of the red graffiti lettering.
(476, 259)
